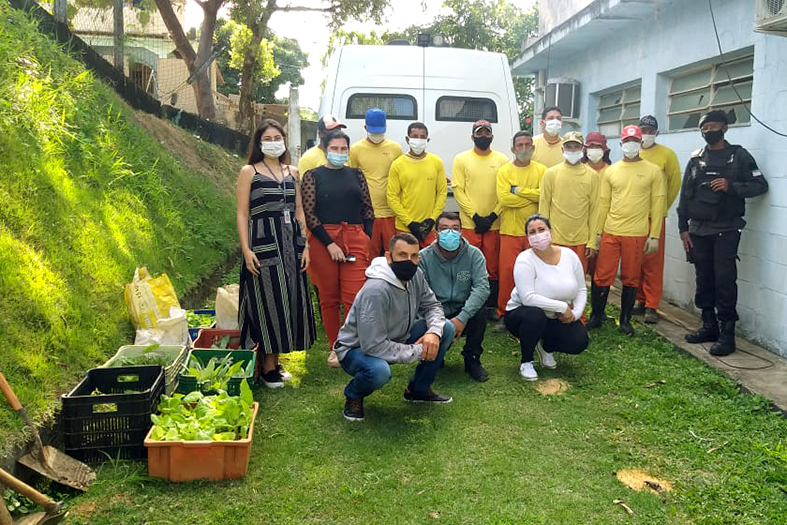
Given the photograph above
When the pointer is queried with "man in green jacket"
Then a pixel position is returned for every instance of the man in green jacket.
(456, 272)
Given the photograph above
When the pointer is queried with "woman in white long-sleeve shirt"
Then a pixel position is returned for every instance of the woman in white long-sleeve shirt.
(547, 301)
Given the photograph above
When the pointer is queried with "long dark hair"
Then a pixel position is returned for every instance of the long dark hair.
(255, 153)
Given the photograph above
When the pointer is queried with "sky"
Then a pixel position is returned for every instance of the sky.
(312, 33)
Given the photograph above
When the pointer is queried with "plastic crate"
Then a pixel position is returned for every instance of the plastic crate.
(188, 383)
(176, 354)
(114, 424)
(194, 332)
(192, 460)
(209, 336)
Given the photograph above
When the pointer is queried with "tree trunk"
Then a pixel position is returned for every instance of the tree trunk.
(257, 22)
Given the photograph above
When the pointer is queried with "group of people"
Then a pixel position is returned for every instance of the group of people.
(366, 222)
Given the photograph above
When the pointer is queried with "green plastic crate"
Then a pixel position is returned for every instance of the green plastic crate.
(177, 356)
(188, 383)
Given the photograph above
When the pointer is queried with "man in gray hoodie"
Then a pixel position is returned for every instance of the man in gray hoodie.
(456, 271)
(383, 328)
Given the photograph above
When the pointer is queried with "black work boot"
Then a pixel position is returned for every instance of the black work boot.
(639, 309)
(474, 369)
(598, 300)
(726, 343)
(627, 298)
(707, 332)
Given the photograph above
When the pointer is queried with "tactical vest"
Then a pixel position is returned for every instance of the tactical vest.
(702, 202)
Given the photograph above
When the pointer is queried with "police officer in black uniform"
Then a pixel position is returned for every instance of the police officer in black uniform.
(717, 180)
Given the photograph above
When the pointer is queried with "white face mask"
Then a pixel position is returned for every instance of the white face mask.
(553, 126)
(376, 138)
(572, 157)
(417, 146)
(595, 155)
(631, 149)
(272, 149)
(648, 140)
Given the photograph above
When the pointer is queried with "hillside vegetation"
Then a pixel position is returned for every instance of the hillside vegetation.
(87, 195)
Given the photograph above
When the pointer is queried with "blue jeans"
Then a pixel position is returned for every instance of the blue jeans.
(372, 373)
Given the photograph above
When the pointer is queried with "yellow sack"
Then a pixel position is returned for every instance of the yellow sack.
(149, 299)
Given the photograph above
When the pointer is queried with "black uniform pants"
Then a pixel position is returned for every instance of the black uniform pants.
(715, 264)
(473, 333)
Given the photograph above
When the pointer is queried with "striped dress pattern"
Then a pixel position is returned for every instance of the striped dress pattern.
(275, 309)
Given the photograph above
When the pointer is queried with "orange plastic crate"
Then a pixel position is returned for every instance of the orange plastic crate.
(191, 460)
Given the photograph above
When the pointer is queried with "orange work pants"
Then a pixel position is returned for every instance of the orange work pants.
(615, 249)
(510, 247)
(652, 282)
(429, 238)
(489, 244)
(384, 228)
(338, 282)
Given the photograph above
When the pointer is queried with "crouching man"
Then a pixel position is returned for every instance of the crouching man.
(394, 319)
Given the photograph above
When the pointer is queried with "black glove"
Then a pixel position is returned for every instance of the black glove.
(415, 228)
(482, 224)
(492, 218)
(426, 226)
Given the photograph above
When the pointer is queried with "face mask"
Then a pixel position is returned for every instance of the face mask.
(417, 146)
(376, 138)
(449, 239)
(572, 157)
(595, 155)
(524, 156)
(553, 126)
(404, 270)
(482, 143)
(712, 137)
(540, 241)
(631, 149)
(648, 140)
(272, 149)
(336, 160)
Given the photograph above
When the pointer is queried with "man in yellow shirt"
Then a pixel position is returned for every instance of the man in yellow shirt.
(315, 156)
(474, 181)
(569, 198)
(374, 156)
(518, 190)
(417, 187)
(548, 145)
(632, 189)
(652, 286)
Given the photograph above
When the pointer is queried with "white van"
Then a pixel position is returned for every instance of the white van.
(445, 88)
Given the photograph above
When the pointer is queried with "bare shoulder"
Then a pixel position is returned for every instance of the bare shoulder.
(246, 173)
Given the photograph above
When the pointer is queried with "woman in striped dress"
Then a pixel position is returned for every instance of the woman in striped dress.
(275, 309)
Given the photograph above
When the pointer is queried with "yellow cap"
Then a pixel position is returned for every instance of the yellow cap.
(574, 136)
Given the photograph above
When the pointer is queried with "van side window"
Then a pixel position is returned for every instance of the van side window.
(465, 109)
(397, 107)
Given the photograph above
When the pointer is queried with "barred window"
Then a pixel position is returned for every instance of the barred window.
(396, 107)
(618, 109)
(465, 109)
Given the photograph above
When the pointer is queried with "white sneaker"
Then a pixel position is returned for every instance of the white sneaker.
(527, 371)
(546, 359)
(286, 376)
(333, 360)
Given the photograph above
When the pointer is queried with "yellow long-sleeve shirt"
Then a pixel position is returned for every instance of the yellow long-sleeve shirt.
(569, 199)
(417, 189)
(516, 206)
(474, 181)
(630, 193)
(547, 154)
(313, 158)
(375, 160)
(667, 160)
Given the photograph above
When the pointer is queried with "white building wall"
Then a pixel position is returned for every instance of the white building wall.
(552, 13)
(682, 34)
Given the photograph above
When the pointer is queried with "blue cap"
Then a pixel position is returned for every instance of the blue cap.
(375, 120)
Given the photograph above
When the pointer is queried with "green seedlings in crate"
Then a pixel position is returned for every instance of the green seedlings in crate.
(221, 344)
(216, 375)
(199, 320)
(103, 408)
(146, 358)
(197, 417)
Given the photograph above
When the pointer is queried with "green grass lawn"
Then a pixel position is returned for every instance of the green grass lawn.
(500, 453)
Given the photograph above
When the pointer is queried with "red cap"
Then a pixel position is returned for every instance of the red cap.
(631, 131)
(595, 138)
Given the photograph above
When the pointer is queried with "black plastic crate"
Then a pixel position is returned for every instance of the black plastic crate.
(113, 424)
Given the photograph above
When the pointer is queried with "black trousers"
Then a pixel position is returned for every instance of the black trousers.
(473, 333)
(531, 325)
(715, 265)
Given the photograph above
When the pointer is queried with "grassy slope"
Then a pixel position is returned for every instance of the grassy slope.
(86, 195)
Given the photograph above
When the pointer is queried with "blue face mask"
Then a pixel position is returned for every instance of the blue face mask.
(337, 160)
(449, 239)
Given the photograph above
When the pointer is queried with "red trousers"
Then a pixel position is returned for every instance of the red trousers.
(429, 238)
(614, 249)
(510, 247)
(489, 244)
(338, 282)
(653, 275)
(384, 228)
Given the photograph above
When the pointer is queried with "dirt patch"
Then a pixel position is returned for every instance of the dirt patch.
(552, 387)
(84, 510)
(640, 480)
